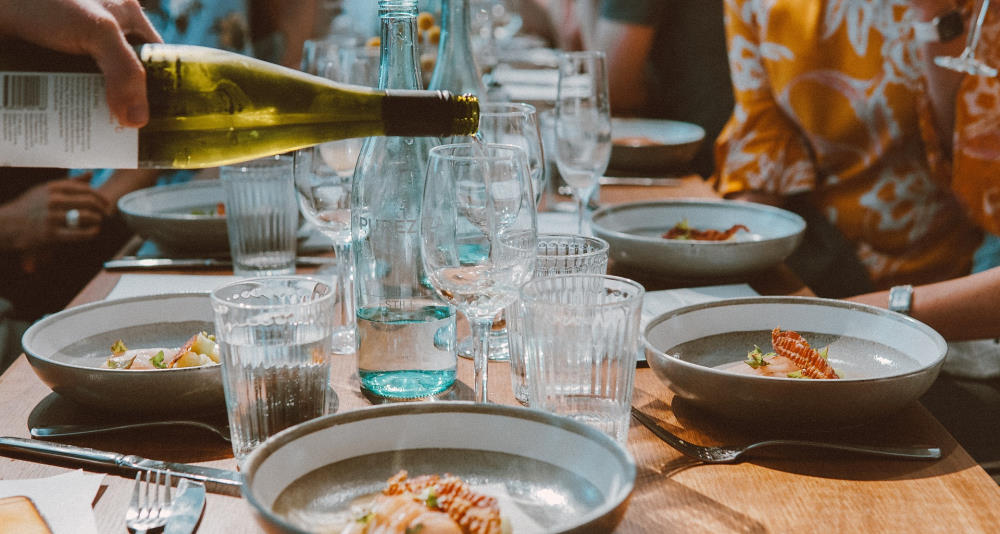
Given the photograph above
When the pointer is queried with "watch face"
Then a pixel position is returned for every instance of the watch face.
(950, 25)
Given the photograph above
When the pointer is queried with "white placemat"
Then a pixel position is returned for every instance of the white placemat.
(132, 285)
(64, 501)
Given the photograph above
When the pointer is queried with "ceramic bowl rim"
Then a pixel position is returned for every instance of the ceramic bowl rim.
(257, 457)
(765, 300)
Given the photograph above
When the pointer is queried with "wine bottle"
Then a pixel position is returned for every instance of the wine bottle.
(406, 336)
(208, 107)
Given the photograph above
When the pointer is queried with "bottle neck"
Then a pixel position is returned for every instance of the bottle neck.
(456, 68)
(400, 65)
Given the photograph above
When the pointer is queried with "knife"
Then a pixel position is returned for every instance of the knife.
(132, 262)
(115, 459)
(186, 507)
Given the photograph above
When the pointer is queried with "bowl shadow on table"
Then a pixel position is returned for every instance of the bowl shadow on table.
(685, 503)
(892, 430)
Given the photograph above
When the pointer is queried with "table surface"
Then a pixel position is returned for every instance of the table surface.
(793, 492)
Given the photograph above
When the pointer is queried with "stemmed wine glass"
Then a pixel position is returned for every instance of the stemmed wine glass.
(583, 124)
(323, 177)
(478, 197)
(966, 61)
(515, 124)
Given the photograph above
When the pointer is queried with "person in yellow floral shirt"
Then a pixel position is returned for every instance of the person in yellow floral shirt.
(839, 105)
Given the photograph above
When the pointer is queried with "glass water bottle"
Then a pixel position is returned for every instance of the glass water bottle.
(406, 337)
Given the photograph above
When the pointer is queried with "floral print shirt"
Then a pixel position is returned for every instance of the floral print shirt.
(831, 101)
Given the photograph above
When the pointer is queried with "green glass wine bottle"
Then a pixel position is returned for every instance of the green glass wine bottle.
(208, 107)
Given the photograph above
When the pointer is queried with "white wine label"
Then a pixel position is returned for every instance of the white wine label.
(61, 120)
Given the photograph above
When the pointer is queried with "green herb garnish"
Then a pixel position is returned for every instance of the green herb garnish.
(118, 347)
(157, 361)
(755, 358)
(797, 374)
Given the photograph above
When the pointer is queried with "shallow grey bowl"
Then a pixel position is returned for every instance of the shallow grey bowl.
(672, 144)
(635, 231)
(65, 350)
(550, 473)
(886, 360)
(164, 215)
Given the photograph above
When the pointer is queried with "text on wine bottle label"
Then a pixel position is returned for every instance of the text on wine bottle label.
(61, 120)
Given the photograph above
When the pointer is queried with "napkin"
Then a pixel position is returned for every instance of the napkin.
(976, 359)
(64, 501)
(132, 285)
(657, 303)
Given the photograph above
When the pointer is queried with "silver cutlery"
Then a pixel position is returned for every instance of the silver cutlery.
(133, 262)
(186, 508)
(149, 507)
(58, 431)
(722, 455)
(86, 455)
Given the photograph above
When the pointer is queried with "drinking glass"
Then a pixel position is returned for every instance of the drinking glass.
(477, 234)
(581, 335)
(261, 215)
(583, 124)
(511, 124)
(556, 254)
(274, 336)
(966, 61)
(323, 177)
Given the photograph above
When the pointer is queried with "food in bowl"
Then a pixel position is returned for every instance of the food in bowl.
(792, 358)
(636, 141)
(684, 230)
(200, 350)
(429, 504)
(218, 210)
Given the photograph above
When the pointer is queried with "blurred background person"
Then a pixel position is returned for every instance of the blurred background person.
(842, 116)
(667, 60)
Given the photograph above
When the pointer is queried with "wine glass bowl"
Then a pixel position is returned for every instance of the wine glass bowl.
(477, 234)
(582, 124)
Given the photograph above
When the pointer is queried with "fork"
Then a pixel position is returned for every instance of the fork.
(726, 455)
(147, 512)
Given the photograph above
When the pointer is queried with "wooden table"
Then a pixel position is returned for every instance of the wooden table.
(791, 493)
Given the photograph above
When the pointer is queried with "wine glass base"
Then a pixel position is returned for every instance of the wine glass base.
(499, 347)
(966, 65)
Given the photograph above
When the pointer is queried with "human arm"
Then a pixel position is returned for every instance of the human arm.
(960, 308)
(760, 149)
(99, 28)
(627, 47)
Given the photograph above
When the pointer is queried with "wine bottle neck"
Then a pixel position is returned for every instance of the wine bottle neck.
(400, 65)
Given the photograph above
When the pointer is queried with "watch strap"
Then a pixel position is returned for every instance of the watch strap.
(901, 299)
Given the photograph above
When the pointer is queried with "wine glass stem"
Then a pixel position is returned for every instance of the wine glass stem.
(480, 354)
(345, 285)
(973, 41)
(581, 204)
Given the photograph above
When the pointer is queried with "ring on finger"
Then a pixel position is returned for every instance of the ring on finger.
(73, 218)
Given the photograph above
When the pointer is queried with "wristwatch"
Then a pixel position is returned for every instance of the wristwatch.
(942, 28)
(901, 299)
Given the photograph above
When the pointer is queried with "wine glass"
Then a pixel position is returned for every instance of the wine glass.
(583, 124)
(478, 197)
(966, 61)
(323, 177)
(516, 124)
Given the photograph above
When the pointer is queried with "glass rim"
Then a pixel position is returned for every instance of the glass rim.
(605, 246)
(507, 108)
(446, 152)
(215, 297)
(536, 299)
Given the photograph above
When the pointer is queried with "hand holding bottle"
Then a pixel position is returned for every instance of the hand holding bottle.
(98, 28)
